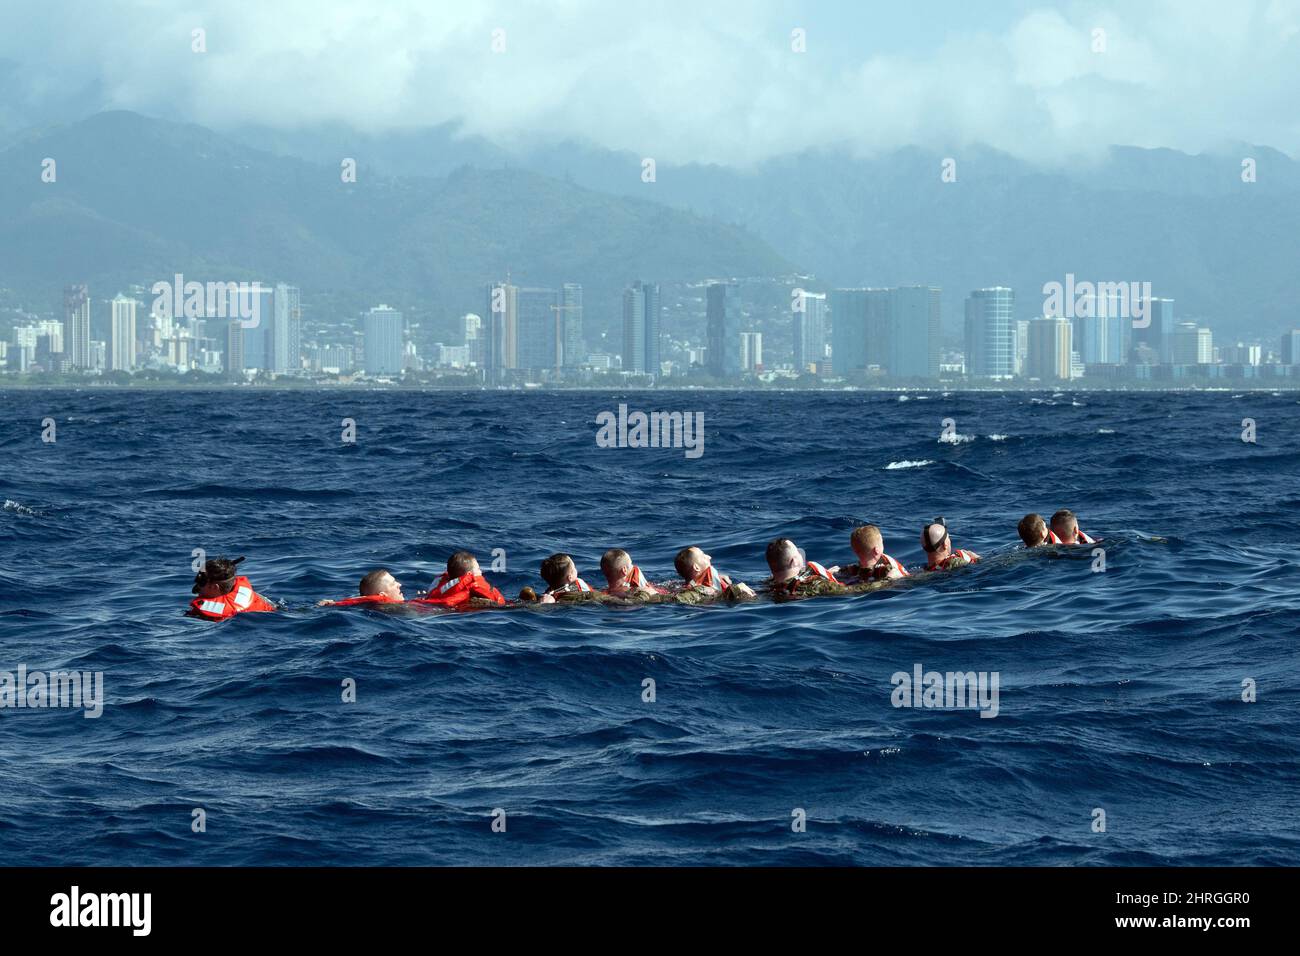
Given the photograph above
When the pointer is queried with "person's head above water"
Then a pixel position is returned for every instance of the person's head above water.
(381, 582)
(559, 570)
(783, 559)
(868, 544)
(462, 563)
(616, 565)
(216, 578)
(1066, 526)
(935, 541)
(1032, 530)
(690, 562)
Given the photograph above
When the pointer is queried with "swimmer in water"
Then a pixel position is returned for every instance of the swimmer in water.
(939, 550)
(462, 584)
(623, 578)
(794, 576)
(1034, 532)
(873, 564)
(1066, 527)
(703, 580)
(562, 581)
(223, 592)
(377, 587)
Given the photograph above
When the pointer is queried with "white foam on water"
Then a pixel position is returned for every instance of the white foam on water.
(955, 439)
(998, 437)
(19, 508)
(896, 465)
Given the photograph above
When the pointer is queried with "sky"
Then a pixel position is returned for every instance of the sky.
(703, 81)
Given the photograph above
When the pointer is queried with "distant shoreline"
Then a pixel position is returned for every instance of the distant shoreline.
(1281, 386)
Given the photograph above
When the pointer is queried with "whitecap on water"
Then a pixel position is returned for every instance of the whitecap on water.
(895, 465)
(955, 439)
(19, 508)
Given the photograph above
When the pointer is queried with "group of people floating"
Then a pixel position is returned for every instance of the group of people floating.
(223, 592)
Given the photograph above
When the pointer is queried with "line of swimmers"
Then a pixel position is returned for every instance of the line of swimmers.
(222, 592)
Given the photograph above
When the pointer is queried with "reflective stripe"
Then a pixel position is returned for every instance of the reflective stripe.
(213, 607)
(581, 584)
(444, 588)
(243, 597)
(638, 579)
(818, 570)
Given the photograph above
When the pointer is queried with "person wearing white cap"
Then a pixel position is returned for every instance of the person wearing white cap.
(939, 550)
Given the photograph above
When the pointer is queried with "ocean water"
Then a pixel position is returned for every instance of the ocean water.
(1119, 690)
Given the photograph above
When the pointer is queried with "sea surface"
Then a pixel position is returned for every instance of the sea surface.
(1120, 690)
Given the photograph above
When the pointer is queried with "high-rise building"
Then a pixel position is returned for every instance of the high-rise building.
(914, 332)
(641, 328)
(234, 353)
(284, 336)
(1050, 348)
(121, 351)
(1242, 354)
(1193, 345)
(722, 329)
(573, 348)
(809, 332)
(1022, 346)
(1291, 347)
(1157, 330)
(76, 326)
(500, 342)
(751, 351)
(539, 343)
(383, 331)
(991, 333)
(848, 309)
(473, 328)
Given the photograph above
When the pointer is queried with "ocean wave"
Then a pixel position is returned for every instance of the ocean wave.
(908, 463)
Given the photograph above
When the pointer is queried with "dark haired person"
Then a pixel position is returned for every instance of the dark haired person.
(704, 582)
(1066, 527)
(562, 581)
(377, 587)
(1034, 532)
(939, 550)
(223, 592)
(793, 575)
(462, 584)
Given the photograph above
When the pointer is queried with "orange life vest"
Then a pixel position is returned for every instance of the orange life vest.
(710, 577)
(1084, 539)
(368, 599)
(887, 561)
(1052, 537)
(970, 556)
(636, 579)
(576, 585)
(240, 598)
(453, 592)
(811, 569)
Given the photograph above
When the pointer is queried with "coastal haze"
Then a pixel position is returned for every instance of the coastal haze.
(890, 211)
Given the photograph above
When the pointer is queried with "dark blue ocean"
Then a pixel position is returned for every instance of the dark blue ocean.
(1120, 690)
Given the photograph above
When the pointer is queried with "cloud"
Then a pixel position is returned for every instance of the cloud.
(709, 82)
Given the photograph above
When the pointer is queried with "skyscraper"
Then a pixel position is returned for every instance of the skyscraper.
(722, 329)
(641, 324)
(848, 330)
(914, 332)
(500, 344)
(1291, 347)
(285, 333)
(121, 345)
(809, 331)
(234, 357)
(473, 326)
(991, 333)
(383, 330)
(1192, 345)
(76, 325)
(539, 342)
(573, 350)
(751, 351)
(1158, 331)
(1049, 349)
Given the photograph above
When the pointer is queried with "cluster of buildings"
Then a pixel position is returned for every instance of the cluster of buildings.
(536, 336)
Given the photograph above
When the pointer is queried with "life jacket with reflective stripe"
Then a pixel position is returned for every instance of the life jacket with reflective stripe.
(637, 580)
(711, 577)
(969, 556)
(368, 599)
(575, 586)
(453, 592)
(240, 598)
(1052, 537)
(893, 565)
(808, 572)
(1084, 538)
